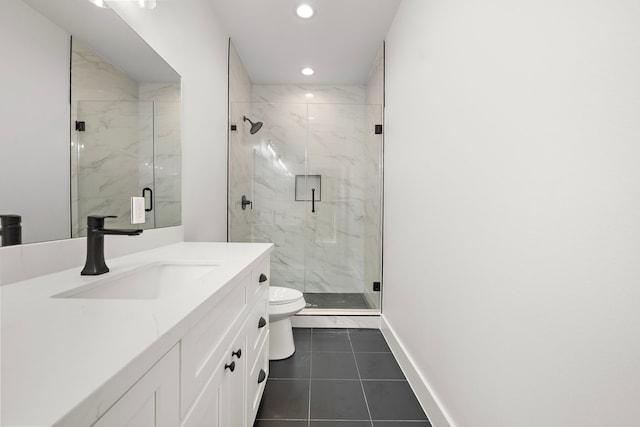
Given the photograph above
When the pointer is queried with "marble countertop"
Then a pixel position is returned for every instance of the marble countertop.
(59, 352)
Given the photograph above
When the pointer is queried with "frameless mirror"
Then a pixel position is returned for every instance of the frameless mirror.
(85, 145)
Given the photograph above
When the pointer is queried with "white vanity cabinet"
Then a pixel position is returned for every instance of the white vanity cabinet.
(213, 368)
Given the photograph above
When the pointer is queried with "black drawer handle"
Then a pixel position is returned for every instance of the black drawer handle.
(262, 323)
(238, 353)
(262, 376)
(231, 366)
(262, 278)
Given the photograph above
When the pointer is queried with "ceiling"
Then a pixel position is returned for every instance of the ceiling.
(340, 42)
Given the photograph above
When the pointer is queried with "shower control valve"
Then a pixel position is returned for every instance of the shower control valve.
(246, 202)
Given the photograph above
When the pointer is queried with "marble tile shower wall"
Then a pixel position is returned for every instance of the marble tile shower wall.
(326, 135)
(115, 157)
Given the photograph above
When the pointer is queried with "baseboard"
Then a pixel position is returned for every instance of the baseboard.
(329, 321)
(429, 402)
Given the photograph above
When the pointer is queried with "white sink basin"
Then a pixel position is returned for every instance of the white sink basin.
(150, 281)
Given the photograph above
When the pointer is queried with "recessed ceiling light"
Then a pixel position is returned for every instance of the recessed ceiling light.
(308, 95)
(307, 71)
(304, 11)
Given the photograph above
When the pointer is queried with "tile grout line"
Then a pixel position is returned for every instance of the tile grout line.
(360, 378)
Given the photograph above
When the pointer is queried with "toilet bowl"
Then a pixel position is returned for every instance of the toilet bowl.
(283, 303)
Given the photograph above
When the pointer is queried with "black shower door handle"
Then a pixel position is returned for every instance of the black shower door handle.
(144, 190)
(313, 200)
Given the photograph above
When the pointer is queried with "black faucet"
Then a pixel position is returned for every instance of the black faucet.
(10, 230)
(95, 244)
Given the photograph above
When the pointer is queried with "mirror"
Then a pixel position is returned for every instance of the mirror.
(125, 100)
(125, 141)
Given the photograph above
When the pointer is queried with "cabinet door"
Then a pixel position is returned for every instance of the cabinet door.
(153, 401)
(206, 411)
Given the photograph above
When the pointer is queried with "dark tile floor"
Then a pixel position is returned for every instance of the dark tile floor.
(339, 378)
(342, 300)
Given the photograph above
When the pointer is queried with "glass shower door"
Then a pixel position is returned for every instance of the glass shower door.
(342, 242)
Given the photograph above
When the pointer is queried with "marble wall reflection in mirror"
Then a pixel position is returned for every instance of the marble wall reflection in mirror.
(128, 98)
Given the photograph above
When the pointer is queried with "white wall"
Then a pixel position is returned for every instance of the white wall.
(34, 136)
(187, 35)
(512, 277)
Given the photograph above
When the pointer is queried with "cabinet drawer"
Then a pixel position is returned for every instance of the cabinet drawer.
(257, 324)
(260, 279)
(257, 380)
(205, 344)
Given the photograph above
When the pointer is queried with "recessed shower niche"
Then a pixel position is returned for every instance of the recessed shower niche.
(308, 188)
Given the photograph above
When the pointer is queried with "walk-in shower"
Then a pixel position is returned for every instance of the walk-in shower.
(313, 176)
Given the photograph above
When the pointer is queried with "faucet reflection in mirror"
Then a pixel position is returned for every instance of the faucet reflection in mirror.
(130, 141)
(10, 230)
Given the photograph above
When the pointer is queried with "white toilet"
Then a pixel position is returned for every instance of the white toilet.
(283, 303)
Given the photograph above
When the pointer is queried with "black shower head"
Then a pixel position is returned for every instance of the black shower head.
(255, 127)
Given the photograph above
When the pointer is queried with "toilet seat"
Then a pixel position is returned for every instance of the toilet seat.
(280, 296)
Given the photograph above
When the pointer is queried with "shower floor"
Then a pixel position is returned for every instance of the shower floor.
(346, 300)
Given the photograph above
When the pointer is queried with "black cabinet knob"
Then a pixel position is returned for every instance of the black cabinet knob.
(261, 323)
(231, 366)
(238, 353)
(263, 278)
(262, 376)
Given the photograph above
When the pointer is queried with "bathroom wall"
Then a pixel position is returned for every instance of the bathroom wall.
(188, 35)
(512, 232)
(38, 54)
